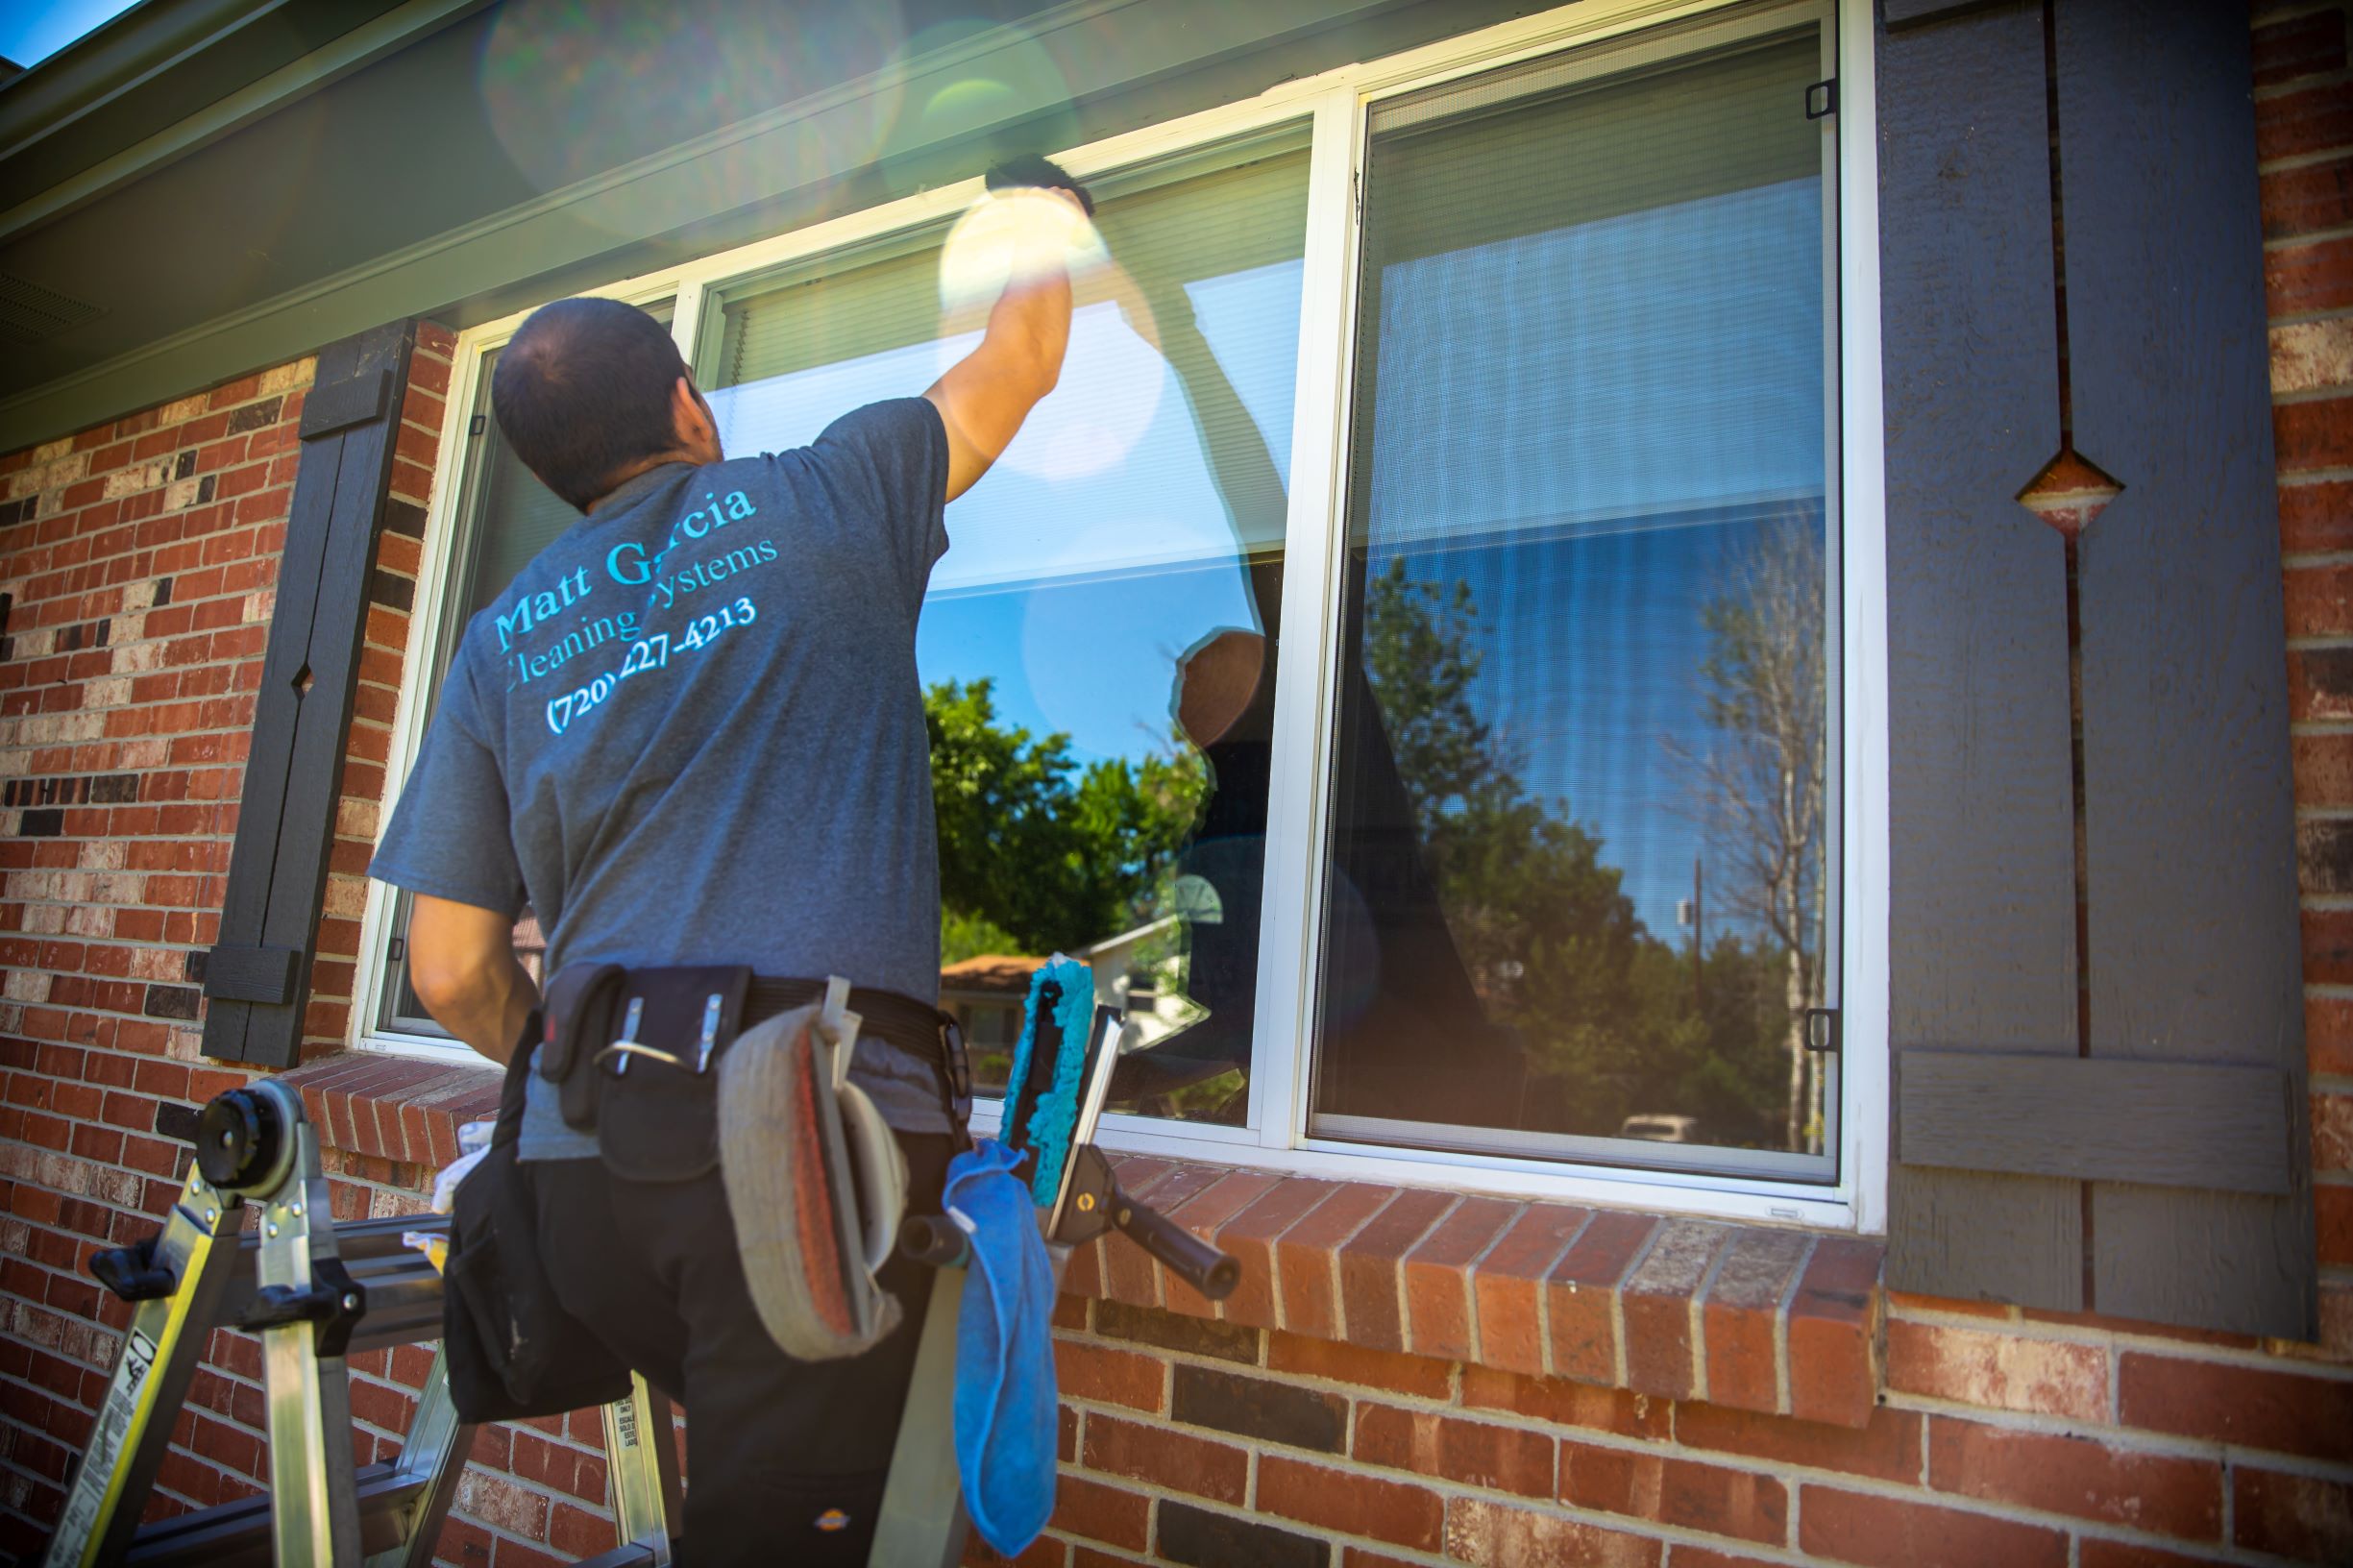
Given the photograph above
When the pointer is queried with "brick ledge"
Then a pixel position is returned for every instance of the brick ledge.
(395, 1108)
(1782, 1322)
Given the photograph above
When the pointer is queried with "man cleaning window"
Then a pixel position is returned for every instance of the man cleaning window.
(690, 736)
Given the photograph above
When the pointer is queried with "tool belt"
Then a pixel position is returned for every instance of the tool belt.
(607, 1026)
(683, 1071)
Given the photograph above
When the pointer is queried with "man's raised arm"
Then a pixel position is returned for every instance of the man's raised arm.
(985, 396)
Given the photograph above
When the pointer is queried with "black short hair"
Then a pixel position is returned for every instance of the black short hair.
(583, 390)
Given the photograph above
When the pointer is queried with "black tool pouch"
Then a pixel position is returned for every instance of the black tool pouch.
(512, 1352)
(636, 1051)
(583, 1002)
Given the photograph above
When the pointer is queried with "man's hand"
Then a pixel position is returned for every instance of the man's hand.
(1030, 171)
(461, 960)
(985, 396)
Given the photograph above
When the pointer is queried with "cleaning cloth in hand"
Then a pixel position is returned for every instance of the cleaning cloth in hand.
(1004, 1352)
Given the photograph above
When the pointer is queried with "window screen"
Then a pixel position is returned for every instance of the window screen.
(1098, 642)
(1581, 790)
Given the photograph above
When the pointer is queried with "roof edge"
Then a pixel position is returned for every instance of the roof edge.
(168, 77)
(118, 51)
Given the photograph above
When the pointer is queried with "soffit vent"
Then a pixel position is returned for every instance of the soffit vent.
(30, 314)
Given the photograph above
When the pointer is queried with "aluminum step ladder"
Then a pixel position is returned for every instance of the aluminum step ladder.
(316, 1292)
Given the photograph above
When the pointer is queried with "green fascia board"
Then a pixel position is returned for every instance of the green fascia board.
(130, 48)
(631, 219)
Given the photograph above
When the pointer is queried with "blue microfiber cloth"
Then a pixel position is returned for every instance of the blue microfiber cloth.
(1005, 1434)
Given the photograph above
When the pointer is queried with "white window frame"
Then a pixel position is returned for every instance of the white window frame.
(1338, 103)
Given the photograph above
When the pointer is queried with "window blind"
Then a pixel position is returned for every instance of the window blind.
(1165, 235)
(1596, 301)
(1167, 438)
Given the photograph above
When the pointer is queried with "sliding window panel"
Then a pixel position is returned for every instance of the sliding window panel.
(1098, 642)
(1582, 792)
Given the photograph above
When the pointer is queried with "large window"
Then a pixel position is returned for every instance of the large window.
(1406, 654)
(1581, 802)
(1098, 646)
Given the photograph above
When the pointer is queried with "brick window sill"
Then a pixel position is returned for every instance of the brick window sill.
(1781, 1322)
(394, 1108)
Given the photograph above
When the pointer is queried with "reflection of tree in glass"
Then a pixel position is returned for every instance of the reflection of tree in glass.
(1417, 651)
(1529, 903)
(1543, 928)
(965, 935)
(1758, 792)
(1606, 1011)
(1033, 856)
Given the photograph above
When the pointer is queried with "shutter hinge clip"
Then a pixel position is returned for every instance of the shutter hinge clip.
(1822, 1030)
(1822, 100)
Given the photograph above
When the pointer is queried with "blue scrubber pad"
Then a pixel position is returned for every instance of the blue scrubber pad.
(1043, 1126)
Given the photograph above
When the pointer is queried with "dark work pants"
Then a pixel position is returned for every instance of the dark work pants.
(773, 1445)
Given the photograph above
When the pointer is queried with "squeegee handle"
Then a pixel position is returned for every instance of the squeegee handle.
(1213, 1273)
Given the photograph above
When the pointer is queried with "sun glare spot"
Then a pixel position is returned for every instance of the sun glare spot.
(574, 88)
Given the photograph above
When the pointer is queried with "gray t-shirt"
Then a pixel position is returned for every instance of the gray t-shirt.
(692, 732)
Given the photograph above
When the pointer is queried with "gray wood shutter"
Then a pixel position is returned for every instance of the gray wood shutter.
(257, 977)
(2097, 1105)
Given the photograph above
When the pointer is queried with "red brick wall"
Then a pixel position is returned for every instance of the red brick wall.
(2003, 1436)
(2304, 130)
(140, 559)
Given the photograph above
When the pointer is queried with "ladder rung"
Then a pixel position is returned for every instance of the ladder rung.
(347, 1512)
(359, 1238)
(402, 1310)
(240, 1532)
(404, 1291)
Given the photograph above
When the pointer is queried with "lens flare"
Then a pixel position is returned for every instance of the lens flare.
(1112, 375)
(1111, 382)
(1013, 236)
(969, 79)
(573, 88)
